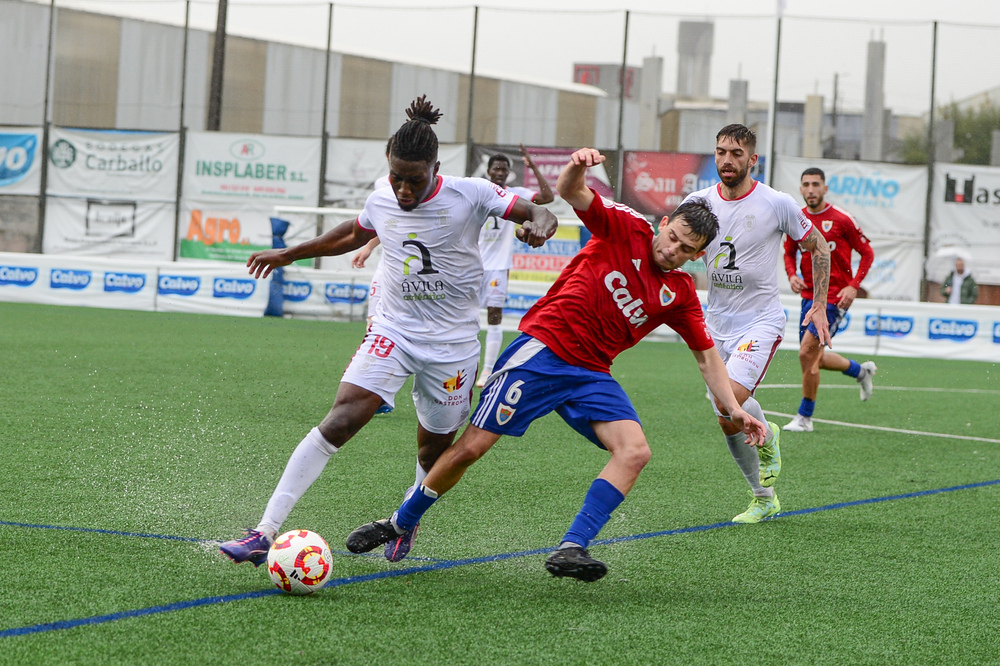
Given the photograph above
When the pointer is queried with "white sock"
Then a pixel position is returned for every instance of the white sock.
(494, 340)
(746, 456)
(417, 480)
(304, 467)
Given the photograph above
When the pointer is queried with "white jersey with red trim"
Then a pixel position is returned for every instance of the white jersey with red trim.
(431, 269)
(496, 240)
(743, 259)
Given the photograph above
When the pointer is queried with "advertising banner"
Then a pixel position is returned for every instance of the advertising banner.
(108, 227)
(210, 289)
(326, 294)
(232, 183)
(20, 160)
(965, 214)
(655, 183)
(105, 164)
(37, 278)
(353, 166)
(888, 201)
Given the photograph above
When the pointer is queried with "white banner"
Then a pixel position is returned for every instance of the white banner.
(965, 213)
(210, 288)
(353, 166)
(231, 184)
(109, 228)
(224, 167)
(37, 278)
(325, 294)
(20, 160)
(889, 201)
(105, 164)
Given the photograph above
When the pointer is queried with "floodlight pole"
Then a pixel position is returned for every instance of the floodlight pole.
(773, 120)
(43, 150)
(218, 65)
(930, 166)
(326, 103)
(469, 152)
(621, 110)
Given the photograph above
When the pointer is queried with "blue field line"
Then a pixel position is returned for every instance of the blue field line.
(434, 566)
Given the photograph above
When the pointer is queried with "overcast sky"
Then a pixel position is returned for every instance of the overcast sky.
(541, 39)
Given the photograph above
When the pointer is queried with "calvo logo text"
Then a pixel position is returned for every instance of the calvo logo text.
(178, 285)
(66, 278)
(238, 288)
(959, 330)
(888, 325)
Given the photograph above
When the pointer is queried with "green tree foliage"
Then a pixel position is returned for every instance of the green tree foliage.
(974, 130)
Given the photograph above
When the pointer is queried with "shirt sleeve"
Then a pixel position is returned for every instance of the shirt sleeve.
(689, 322)
(494, 201)
(605, 216)
(860, 244)
(791, 219)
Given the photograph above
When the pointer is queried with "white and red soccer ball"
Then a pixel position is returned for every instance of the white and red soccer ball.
(299, 562)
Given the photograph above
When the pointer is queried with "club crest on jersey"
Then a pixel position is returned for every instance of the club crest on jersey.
(827, 225)
(666, 296)
(749, 222)
(504, 414)
(452, 384)
(750, 346)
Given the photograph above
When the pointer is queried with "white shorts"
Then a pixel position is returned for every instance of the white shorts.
(374, 293)
(493, 293)
(443, 375)
(748, 353)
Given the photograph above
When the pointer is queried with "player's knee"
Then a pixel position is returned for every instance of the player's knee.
(635, 454)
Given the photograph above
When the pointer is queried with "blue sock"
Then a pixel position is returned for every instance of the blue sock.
(854, 370)
(807, 407)
(601, 500)
(410, 511)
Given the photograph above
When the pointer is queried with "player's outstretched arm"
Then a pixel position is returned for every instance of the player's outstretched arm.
(816, 245)
(572, 182)
(359, 259)
(342, 238)
(545, 194)
(713, 370)
(537, 224)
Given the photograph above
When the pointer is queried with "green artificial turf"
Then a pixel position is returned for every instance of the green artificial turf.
(179, 426)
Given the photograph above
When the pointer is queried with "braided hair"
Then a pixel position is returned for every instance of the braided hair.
(415, 141)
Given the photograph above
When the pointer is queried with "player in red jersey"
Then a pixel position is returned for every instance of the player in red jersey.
(843, 235)
(621, 286)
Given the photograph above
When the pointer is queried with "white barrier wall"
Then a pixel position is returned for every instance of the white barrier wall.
(872, 327)
(207, 288)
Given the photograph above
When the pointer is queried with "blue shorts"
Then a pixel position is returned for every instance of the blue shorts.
(532, 381)
(834, 316)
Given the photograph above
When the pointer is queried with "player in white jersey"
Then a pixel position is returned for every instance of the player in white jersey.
(496, 245)
(744, 313)
(426, 324)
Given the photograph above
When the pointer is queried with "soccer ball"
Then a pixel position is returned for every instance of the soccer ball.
(299, 562)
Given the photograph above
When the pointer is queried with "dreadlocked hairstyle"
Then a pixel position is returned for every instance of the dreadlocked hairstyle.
(415, 141)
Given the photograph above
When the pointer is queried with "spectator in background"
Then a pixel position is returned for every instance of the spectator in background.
(959, 287)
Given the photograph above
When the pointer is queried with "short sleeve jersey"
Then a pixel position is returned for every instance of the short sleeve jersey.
(496, 240)
(742, 260)
(844, 235)
(612, 294)
(431, 269)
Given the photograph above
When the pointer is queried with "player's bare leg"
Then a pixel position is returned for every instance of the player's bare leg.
(352, 409)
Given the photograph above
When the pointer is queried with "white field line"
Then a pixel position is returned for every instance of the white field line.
(879, 387)
(885, 429)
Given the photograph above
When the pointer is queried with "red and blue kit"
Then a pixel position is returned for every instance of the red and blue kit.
(843, 235)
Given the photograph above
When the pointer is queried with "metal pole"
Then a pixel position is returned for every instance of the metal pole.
(833, 117)
(184, 60)
(621, 109)
(930, 167)
(774, 108)
(469, 153)
(182, 136)
(218, 65)
(326, 101)
(43, 150)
